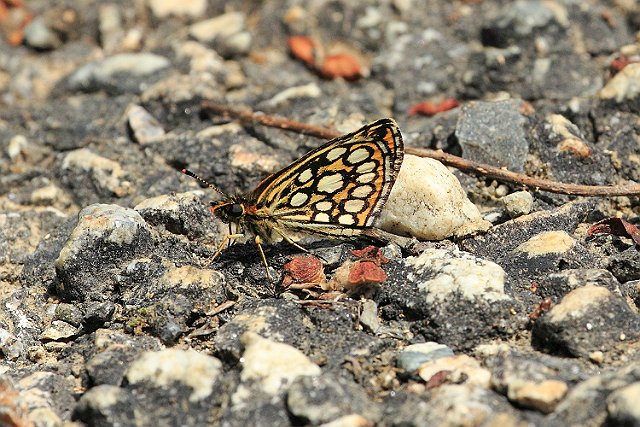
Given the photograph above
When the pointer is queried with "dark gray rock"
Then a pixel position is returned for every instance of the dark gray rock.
(588, 319)
(104, 235)
(557, 285)
(521, 21)
(419, 409)
(319, 400)
(588, 402)
(443, 293)
(494, 133)
(514, 243)
(106, 405)
(182, 213)
(625, 265)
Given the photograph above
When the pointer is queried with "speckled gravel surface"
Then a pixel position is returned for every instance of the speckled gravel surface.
(114, 313)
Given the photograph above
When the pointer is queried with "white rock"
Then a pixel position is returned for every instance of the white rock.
(547, 242)
(135, 64)
(624, 85)
(162, 368)
(273, 365)
(16, 146)
(221, 26)
(310, 90)
(428, 202)
(622, 404)
(105, 173)
(460, 273)
(461, 367)
(518, 203)
(188, 8)
(146, 128)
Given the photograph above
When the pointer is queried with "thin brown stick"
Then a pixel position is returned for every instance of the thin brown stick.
(464, 165)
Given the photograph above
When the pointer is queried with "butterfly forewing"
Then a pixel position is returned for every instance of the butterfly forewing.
(338, 188)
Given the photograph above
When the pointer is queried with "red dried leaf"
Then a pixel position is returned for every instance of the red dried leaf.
(617, 227)
(438, 379)
(364, 272)
(371, 253)
(619, 62)
(303, 270)
(540, 309)
(341, 65)
(430, 109)
(303, 48)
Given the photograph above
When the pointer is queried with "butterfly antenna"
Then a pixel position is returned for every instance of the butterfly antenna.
(204, 182)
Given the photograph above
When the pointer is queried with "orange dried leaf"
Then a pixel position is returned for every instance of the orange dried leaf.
(303, 271)
(371, 253)
(303, 48)
(365, 272)
(430, 109)
(341, 65)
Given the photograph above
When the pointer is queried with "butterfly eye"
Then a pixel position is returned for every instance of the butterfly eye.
(235, 210)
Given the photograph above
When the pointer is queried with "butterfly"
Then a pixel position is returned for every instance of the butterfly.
(336, 190)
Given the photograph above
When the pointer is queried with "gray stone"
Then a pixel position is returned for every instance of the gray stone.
(587, 319)
(589, 400)
(104, 235)
(622, 406)
(494, 133)
(161, 369)
(106, 405)
(118, 73)
(39, 36)
(322, 399)
(415, 355)
(518, 203)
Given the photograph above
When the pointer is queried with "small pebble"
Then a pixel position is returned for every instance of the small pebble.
(518, 203)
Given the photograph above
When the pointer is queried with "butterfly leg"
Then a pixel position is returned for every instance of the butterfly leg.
(264, 259)
(228, 239)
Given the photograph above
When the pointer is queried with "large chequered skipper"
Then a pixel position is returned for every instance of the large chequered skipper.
(336, 190)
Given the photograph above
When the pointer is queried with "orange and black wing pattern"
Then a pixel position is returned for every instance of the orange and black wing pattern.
(337, 189)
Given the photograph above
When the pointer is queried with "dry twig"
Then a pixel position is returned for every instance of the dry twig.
(464, 165)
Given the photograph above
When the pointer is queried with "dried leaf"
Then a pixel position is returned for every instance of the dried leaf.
(303, 48)
(365, 272)
(617, 227)
(302, 272)
(430, 109)
(341, 65)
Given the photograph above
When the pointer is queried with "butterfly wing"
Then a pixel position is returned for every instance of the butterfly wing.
(338, 188)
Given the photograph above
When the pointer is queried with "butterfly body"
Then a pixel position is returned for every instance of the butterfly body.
(336, 190)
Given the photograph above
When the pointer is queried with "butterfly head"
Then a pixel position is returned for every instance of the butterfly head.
(228, 211)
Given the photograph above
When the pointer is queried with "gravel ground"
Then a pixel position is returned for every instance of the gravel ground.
(114, 313)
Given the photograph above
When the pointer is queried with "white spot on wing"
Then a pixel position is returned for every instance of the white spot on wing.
(330, 183)
(366, 167)
(321, 217)
(366, 177)
(335, 153)
(358, 155)
(298, 199)
(354, 206)
(324, 205)
(362, 191)
(305, 176)
(346, 219)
